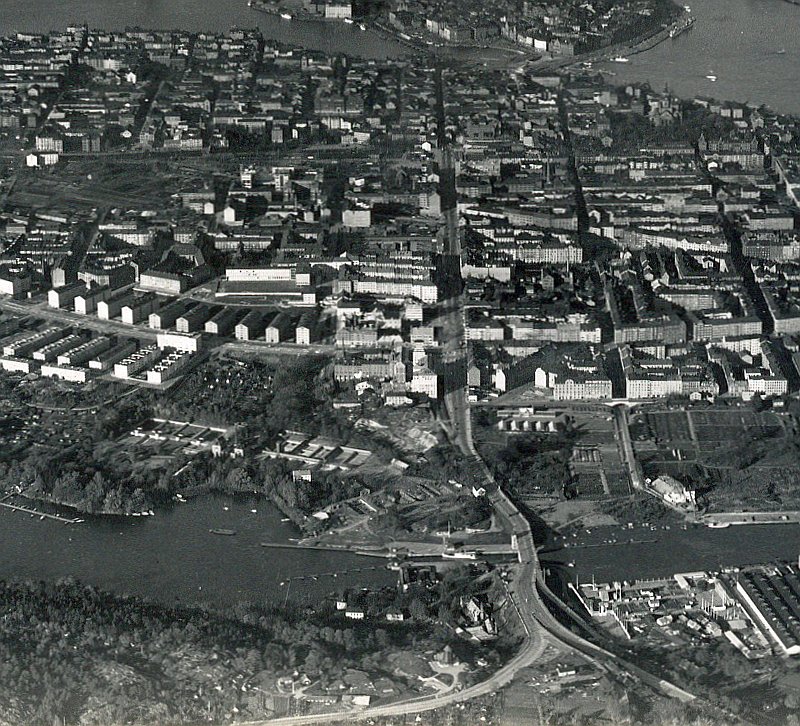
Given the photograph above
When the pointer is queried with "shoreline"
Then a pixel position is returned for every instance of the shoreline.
(629, 47)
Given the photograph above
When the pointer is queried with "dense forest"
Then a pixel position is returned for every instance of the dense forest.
(73, 654)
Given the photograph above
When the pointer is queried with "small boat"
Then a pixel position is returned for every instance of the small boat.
(286, 16)
(463, 555)
(782, 51)
(719, 525)
(285, 519)
(711, 77)
(226, 508)
(254, 511)
(226, 532)
(41, 518)
(349, 21)
(361, 26)
(621, 59)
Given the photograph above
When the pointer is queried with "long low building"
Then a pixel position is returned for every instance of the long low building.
(137, 362)
(191, 342)
(224, 322)
(112, 307)
(105, 360)
(84, 352)
(771, 596)
(66, 373)
(51, 351)
(139, 309)
(60, 297)
(169, 366)
(11, 364)
(25, 344)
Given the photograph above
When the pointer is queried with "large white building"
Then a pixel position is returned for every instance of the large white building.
(180, 341)
(425, 381)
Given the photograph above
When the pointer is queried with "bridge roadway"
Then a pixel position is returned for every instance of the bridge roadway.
(529, 583)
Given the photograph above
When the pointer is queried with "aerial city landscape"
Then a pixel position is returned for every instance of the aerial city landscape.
(400, 362)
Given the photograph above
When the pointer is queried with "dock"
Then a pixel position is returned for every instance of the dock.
(316, 577)
(329, 548)
(34, 512)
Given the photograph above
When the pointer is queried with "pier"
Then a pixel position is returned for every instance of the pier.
(45, 515)
(301, 578)
(329, 548)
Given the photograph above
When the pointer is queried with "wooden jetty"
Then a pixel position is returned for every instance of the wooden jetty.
(45, 515)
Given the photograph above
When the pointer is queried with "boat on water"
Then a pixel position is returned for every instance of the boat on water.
(286, 16)
(226, 532)
(681, 28)
(782, 51)
(711, 77)
(349, 21)
(462, 555)
(719, 525)
(361, 26)
(621, 59)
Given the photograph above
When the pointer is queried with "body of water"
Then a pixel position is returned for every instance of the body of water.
(751, 46)
(173, 556)
(209, 15)
(674, 550)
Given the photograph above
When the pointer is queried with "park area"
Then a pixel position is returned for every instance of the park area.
(579, 460)
(737, 458)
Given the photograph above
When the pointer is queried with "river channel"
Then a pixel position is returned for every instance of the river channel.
(173, 556)
(608, 554)
(751, 47)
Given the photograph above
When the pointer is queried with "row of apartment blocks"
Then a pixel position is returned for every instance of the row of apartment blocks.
(576, 328)
(57, 351)
(185, 316)
(743, 366)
